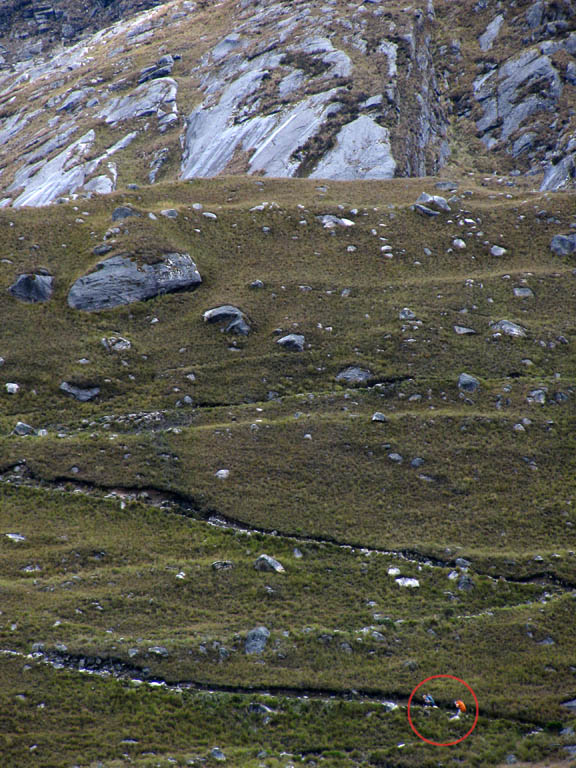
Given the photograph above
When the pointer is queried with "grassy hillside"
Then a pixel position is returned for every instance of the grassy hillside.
(123, 515)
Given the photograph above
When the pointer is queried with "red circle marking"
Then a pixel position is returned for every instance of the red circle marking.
(437, 743)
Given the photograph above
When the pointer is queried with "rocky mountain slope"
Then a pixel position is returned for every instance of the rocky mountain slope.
(287, 383)
(320, 89)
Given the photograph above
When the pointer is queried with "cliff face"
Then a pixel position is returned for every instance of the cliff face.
(185, 89)
(32, 27)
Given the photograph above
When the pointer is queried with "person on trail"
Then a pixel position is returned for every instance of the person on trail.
(428, 700)
(460, 709)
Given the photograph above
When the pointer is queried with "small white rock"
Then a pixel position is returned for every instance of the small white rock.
(406, 582)
(223, 474)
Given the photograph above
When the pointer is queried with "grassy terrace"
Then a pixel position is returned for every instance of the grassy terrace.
(103, 576)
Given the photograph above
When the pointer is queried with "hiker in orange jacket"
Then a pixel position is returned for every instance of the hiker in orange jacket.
(460, 709)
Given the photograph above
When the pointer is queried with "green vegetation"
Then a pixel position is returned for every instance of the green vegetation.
(115, 500)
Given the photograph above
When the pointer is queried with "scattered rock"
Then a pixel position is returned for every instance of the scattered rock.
(459, 243)
(170, 213)
(83, 394)
(17, 537)
(406, 314)
(396, 458)
(465, 583)
(497, 250)
(222, 565)
(217, 754)
(23, 429)
(468, 383)
(435, 202)
(403, 581)
(162, 68)
(32, 287)
(236, 321)
(101, 250)
(12, 388)
(123, 212)
(508, 328)
(563, 245)
(378, 416)
(294, 342)
(223, 474)
(121, 280)
(256, 640)
(329, 221)
(523, 293)
(158, 650)
(116, 344)
(462, 330)
(423, 210)
(354, 375)
(270, 564)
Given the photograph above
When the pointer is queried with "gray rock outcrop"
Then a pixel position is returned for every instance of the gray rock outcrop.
(500, 93)
(146, 99)
(33, 287)
(121, 280)
(256, 640)
(362, 151)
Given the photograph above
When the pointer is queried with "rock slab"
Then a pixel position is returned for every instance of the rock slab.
(121, 280)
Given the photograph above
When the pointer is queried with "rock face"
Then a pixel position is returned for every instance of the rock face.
(499, 94)
(147, 99)
(32, 287)
(362, 151)
(121, 280)
(281, 93)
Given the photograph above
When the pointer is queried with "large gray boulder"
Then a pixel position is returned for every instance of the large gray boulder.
(121, 280)
(256, 640)
(32, 287)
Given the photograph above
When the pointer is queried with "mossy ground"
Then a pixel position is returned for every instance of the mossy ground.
(501, 497)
